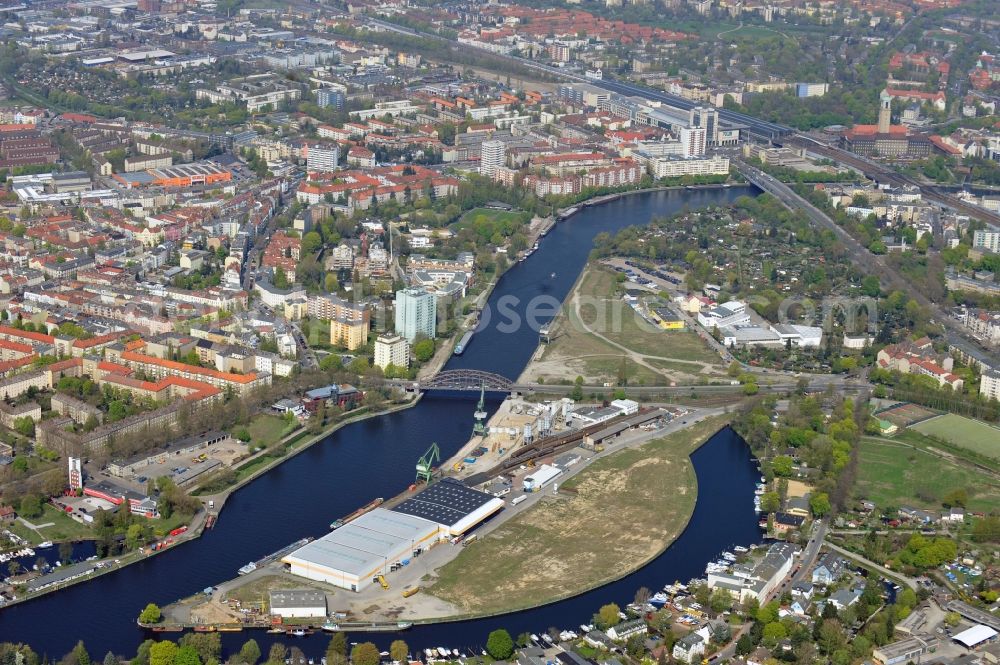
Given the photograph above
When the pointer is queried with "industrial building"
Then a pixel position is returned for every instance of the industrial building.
(377, 542)
(354, 554)
(452, 506)
(298, 603)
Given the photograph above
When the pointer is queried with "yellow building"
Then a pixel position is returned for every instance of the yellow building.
(351, 334)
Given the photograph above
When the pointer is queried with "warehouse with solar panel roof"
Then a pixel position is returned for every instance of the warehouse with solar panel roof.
(385, 539)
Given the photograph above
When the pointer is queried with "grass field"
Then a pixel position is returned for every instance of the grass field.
(567, 544)
(479, 215)
(607, 330)
(63, 527)
(963, 432)
(266, 430)
(893, 473)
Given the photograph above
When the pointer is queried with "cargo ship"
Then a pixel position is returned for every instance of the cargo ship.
(463, 343)
(254, 565)
(357, 513)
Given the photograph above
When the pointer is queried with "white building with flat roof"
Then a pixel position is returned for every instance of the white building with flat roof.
(391, 350)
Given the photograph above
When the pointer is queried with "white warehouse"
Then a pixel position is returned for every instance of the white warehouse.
(358, 552)
(541, 477)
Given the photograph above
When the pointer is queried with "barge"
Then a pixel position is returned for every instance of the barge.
(259, 563)
(336, 524)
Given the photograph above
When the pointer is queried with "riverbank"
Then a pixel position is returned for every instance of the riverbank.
(604, 339)
(609, 520)
(569, 211)
(199, 521)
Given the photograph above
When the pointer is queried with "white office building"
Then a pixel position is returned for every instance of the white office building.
(416, 313)
(391, 350)
(491, 157)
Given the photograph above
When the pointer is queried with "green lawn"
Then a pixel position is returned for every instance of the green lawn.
(266, 430)
(479, 215)
(963, 432)
(892, 473)
(63, 527)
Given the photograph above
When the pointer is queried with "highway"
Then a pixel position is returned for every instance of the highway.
(866, 261)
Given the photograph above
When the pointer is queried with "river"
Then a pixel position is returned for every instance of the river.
(376, 457)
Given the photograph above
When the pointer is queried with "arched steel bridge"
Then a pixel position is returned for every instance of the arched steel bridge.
(467, 379)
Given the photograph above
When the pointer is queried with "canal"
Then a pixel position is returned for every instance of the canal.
(376, 458)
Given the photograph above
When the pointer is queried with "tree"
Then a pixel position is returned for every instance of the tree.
(311, 242)
(399, 651)
(151, 614)
(31, 506)
(499, 644)
(744, 645)
(782, 466)
(952, 619)
(186, 656)
(365, 653)
(277, 654)
(111, 659)
(208, 646)
(424, 350)
(250, 652)
(770, 502)
(336, 651)
(956, 497)
(25, 426)
(774, 632)
(162, 653)
(608, 616)
(819, 504)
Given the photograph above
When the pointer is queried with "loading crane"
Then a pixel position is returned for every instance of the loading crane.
(480, 414)
(425, 465)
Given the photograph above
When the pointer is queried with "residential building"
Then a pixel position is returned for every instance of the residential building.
(322, 157)
(327, 97)
(391, 350)
(689, 649)
(416, 314)
(989, 384)
(986, 240)
(491, 157)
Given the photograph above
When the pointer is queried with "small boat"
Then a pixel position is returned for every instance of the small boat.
(444, 653)
(552, 276)
(429, 653)
(277, 630)
(247, 569)
(331, 627)
(298, 632)
(403, 625)
(740, 548)
(47, 543)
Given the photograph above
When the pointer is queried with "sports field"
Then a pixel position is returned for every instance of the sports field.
(964, 432)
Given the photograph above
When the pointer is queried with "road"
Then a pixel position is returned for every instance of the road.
(866, 261)
(871, 565)
(812, 550)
